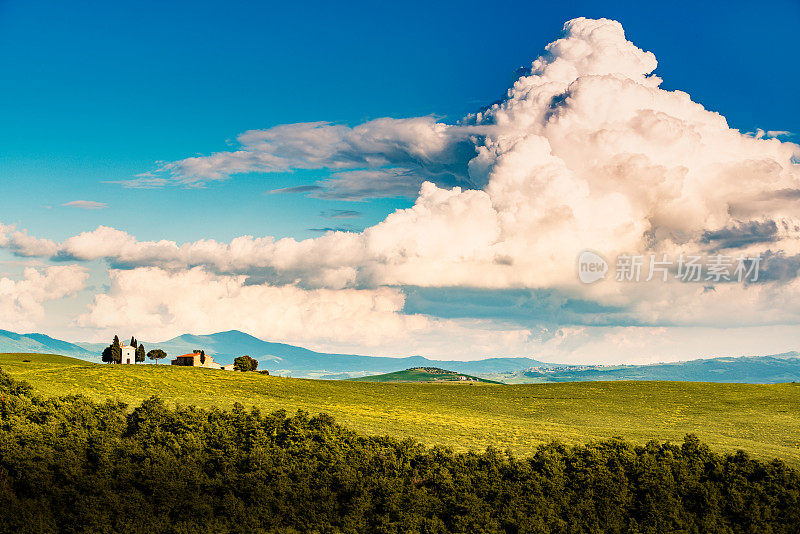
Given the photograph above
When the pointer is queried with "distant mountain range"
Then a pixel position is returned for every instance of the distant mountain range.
(42, 344)
(752, 369)
(280, 358)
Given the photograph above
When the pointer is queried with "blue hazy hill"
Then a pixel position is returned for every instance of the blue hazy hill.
(298, 361)
(282, 358)
(42, 344)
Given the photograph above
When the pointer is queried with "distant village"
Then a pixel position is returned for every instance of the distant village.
(134, 352)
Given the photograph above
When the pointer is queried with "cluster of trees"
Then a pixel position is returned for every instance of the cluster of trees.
(113, 353)
(73, 465)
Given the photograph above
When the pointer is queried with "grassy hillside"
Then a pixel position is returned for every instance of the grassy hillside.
(762, 419)
(424, 374)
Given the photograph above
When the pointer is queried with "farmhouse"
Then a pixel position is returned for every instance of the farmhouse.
(128, 354)
(197, 359)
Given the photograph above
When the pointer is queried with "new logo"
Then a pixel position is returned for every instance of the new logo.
(591, 267)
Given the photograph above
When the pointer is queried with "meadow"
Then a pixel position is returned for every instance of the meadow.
(761, 419)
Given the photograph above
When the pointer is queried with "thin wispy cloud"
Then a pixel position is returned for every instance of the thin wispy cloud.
(382, 157)
(340, 214)
(86, 204)
(373, 183)
(779, 133)
(142, 181)
(340, 228)
(296, 189)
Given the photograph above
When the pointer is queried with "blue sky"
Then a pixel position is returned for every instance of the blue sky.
(101, 91)
(95, 94)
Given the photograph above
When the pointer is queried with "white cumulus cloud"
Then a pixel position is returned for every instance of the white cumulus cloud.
(586, 150)
(22, 244)
(21, 301)
(162, 304)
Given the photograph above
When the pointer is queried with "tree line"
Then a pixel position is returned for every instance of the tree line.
(113, 353)
(74, 465)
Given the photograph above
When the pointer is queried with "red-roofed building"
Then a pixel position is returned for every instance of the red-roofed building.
(196, 359)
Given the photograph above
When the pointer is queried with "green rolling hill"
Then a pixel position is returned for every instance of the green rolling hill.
(425, 374)
(762, 419)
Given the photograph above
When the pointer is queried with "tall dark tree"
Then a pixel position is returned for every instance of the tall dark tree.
(133, 342)
(140, 353)
(156, 354)
(116, 350)
(107, 356)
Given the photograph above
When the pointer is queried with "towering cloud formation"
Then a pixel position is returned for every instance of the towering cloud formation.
(585, 151)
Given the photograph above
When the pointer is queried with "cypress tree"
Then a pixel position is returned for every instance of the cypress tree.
(116, 350)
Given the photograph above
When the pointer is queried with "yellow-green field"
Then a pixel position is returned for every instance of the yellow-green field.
(761, 419)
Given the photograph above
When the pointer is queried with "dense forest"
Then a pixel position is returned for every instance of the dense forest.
(73, 465)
